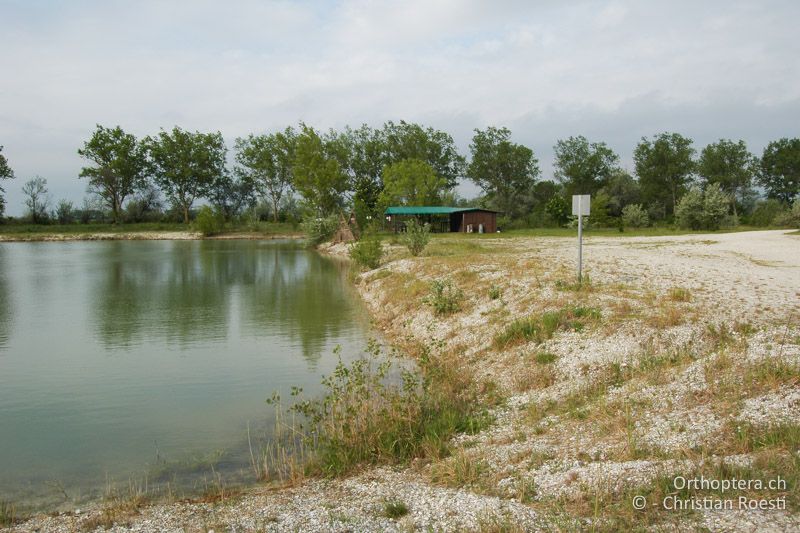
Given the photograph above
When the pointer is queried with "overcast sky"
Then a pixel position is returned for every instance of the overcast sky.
(613, 71)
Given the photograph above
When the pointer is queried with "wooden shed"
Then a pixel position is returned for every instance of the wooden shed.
(445, 219)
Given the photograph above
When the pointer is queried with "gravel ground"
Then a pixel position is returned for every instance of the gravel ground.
(748, 278)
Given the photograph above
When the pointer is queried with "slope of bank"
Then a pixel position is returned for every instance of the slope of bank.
(679, 358)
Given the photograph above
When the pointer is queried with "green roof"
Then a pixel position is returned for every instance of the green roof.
(429, 210)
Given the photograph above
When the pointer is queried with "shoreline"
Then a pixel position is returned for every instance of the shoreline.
(661, 312)
(144, 236)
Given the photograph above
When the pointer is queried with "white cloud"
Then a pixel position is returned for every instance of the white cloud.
(616, 70)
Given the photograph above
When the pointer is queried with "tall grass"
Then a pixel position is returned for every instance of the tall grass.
(542, 327)
(369, 414)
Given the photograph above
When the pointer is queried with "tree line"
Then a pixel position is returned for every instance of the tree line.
(302, 172)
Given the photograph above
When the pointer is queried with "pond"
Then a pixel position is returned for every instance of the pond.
(131, 363)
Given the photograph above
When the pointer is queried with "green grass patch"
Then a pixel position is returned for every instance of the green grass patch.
(543, 327)
(545, 358)
(394, 509)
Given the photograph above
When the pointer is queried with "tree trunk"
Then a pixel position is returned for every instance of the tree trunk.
(185, 214)
(274, 210)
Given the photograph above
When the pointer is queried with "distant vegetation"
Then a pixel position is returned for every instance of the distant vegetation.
(303, 174)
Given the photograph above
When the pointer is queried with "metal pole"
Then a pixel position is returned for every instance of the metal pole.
(580, 241)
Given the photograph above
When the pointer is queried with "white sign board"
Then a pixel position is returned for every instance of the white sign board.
(580, 204)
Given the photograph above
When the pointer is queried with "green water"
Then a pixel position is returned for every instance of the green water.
(146, 361)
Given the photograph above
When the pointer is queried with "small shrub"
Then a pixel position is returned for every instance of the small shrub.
(789, 218)
(318, 229)
(394, 509)
(367, 252)
(209, 221)
(702, 210)
(416, 237)
(495, 292)
(445, 297)
(634, 216)
(766, 212)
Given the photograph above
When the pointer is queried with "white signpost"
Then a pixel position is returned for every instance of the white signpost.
(580, 209)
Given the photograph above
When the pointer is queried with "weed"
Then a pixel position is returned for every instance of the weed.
(394, 509)
(458, 471)
(416, 237)
(495, 292)
(367, 252)
(8, 513)
(679, 294)
(445, 297)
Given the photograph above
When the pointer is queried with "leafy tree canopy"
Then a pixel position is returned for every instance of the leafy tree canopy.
(780, 169)
(728, 164)
(266, 163)
(185, 164)
(412, 182)
(664, 166)
(411, 141)
(504, 170)
(583, 167)
(318, 173)
(119, 166)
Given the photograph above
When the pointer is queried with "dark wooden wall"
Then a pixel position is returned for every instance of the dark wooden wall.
(460, 221)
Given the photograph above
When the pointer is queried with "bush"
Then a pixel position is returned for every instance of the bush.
(318, 229)
(699, 210)
(445, 297)
(367, 252)
(417, 236)
(789, 218)
(766, 212)
(635, 216)
(209, 221)
(715, 207)
(65, 212)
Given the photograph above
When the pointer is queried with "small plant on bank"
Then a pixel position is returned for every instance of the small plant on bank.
(368, 251)
(8, 513)
(394, 509)
(417, 236)
(495, 292)
(545, 358)
(445, 297)
(209, 221)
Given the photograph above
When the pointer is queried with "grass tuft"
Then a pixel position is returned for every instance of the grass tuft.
(543, 327)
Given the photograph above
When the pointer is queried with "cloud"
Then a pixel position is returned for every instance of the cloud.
(612, 70)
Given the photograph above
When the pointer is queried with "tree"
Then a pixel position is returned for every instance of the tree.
(664, 166)
(780, 169)
(504, 170)
(65, 212)
(35, 191)
(267, 161)
(318, 175)
(583, 167)
(5, 173)
(120, 166)
(411, 141)
(185, 165)
(730, 165)
(622, 190)
(367, 157)
(411, 182)
(699, 209)
(230, 195)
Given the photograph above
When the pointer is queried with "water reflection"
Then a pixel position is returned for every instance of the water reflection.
(5, 302)
(203, 289)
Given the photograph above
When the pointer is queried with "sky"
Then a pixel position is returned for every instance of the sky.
(613, 71)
